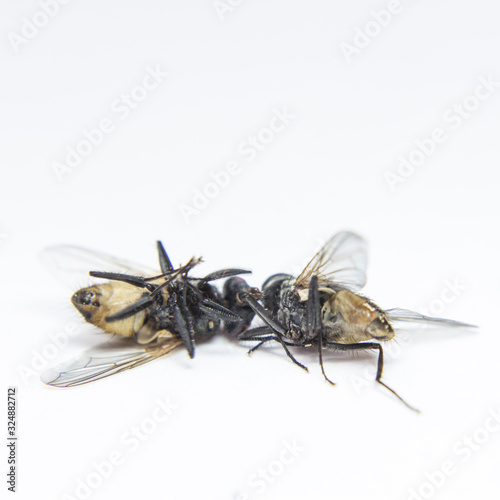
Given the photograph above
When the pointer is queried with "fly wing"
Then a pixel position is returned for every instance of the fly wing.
(103, 361)
(70, 264)
(342, 259)
(403, 319)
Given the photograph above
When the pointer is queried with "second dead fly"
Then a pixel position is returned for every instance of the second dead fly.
(322, 307)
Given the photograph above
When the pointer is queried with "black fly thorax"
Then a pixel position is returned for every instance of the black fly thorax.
(292, 310)
(292, 314)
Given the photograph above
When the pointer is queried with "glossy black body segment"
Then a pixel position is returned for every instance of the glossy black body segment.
(178, 303)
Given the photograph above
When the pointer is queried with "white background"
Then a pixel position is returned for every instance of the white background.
(326, 171)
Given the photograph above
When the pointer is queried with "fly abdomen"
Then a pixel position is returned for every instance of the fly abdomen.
(349, 318)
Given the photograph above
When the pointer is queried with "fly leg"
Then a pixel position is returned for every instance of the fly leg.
(262, 335)
(380, 363)
(314, 322)
(184, 321)
(165, 264)
(125, 278)
(275, 329)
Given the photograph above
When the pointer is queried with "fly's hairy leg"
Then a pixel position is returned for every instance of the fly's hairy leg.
(380, 363)
(273, 325)
(314, 322)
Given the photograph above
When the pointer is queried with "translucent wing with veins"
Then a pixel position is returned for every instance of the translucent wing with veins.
(70, 264)
(403, 319)
(105, 360)
(342, 259)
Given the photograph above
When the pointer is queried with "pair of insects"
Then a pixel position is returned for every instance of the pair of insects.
(157, 313)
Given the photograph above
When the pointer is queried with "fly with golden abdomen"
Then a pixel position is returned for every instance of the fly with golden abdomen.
(154, 314)
(322, 308)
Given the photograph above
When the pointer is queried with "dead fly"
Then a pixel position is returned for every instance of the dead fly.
(322, 308)
(156, 313)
